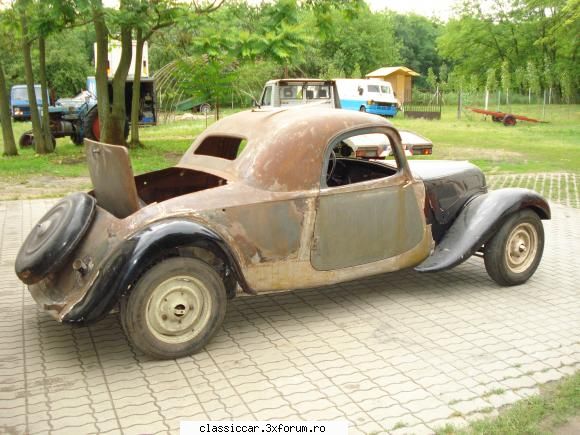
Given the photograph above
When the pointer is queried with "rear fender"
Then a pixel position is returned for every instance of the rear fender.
(479, 220)
(136, 254)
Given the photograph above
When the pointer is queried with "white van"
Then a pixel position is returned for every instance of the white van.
(370, 95)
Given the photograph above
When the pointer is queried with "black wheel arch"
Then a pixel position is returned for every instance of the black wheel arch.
(480, 218)
(142, 250)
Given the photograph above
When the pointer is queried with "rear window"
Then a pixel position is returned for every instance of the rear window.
(224, 147)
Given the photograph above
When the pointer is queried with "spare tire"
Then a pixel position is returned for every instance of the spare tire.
(54, 238)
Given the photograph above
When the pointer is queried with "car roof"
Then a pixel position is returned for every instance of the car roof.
(285, 147)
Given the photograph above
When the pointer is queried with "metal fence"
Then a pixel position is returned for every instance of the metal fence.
(423, 105)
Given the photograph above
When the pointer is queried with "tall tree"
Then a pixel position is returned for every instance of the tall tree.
(26, 44)
(7, 132)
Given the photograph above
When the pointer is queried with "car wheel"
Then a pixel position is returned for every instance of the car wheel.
(362, 109)
(26, 139)
(514, 253)
(175, 308)
(509, 120)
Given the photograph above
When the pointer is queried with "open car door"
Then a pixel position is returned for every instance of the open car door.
(112, 177)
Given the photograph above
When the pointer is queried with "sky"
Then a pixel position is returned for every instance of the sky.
(438, 8)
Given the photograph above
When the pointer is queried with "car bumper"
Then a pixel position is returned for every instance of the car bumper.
(382, 110)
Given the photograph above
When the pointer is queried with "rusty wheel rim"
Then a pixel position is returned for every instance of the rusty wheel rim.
(178, 309)
(521, 247)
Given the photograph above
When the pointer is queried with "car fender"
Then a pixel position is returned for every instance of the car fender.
(477, 222)
(136, 254)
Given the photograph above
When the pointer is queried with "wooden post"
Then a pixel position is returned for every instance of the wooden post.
(544, 106)
(486, 97)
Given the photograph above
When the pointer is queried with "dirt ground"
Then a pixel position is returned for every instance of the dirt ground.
(572, 427)
(44, 186)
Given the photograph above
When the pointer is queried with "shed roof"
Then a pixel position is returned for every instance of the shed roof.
(388, 70)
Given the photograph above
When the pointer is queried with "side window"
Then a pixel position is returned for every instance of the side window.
(373, 88)
(358, 158)
(267, 97)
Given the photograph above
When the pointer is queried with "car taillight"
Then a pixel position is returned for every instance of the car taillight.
(367, 154)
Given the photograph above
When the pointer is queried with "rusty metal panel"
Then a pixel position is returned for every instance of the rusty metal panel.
(366, 225)
(112, 177)
(285, 147)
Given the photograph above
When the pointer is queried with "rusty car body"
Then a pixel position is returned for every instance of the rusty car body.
(261, 202)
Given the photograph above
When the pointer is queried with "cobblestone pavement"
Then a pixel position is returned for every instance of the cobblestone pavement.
(400, 353)
(560, 187)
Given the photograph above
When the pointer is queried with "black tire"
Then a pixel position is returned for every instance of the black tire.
(175, 308)
(55, 237)
(89, 122)
(77, 137)
(509, 120)
(514, 253)
(362, 109)
(26, 139)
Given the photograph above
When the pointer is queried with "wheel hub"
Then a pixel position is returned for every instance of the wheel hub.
(178, 309)
(522, 246)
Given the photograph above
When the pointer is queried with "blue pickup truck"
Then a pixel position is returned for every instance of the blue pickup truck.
(19, 103)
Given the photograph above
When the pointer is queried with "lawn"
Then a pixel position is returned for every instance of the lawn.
(525, 148)
(557, 403)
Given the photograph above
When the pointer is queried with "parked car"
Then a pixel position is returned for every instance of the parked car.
(378, 146)
(259, 203)
(19, 103)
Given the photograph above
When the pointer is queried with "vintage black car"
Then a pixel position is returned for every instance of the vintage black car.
(262, 202)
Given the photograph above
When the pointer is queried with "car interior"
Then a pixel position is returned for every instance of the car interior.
(342, 171)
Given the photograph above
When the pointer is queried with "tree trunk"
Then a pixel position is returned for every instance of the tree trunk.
(7, 132)
(115, 134)
(136, 97)
(101, 78)
(44, 89)
(35, 118)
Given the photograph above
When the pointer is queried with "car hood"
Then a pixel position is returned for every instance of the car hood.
(448, 185)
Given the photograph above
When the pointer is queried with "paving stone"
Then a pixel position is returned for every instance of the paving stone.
(382, 352)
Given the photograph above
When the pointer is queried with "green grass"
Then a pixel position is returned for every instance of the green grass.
(525, 148)
(553, 147)
(541, 414)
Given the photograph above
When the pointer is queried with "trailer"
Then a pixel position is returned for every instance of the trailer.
(508, 119)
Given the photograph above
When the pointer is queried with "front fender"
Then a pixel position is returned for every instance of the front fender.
(477, 222)
(135, 255)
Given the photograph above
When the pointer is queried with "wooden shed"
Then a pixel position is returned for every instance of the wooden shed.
(400, 78)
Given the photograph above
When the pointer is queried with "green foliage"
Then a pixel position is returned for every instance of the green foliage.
(356, 73)
(532, 77)
(417, 38)
(490, 80)
(367, 40)
(487, 34)
(506, 78)
(443, 73)
(67, 62)
(431, 79)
